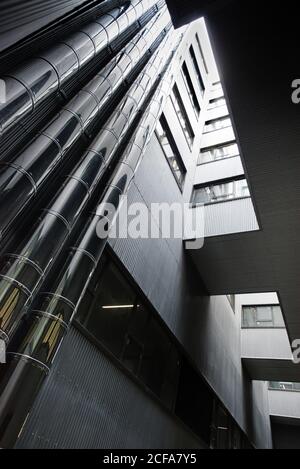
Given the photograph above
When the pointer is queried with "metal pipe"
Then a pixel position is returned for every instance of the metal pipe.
(28, 366)
(24, 270)
(29, 85)
(22, 177)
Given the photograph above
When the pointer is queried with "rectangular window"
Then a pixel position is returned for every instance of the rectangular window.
(116, 317)
(202, 54)
(217, 124)
(266, 316)
(171, 152)
(215, 103)
(191, 90)
(283, 386)
(197, 70)
(226, 190)
(207, 155)
(182, 116)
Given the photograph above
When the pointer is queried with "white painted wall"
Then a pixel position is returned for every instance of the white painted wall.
(221, 169)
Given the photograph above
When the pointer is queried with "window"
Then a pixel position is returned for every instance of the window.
(227, 190)
(201, 54)
(170, 149)
(182, 116)
(283, 386)
(217, 86)
(217, 124)
(116, 317)
(266, 316)
(191, 90)
(208, 155)
(197, 71)
(215, 103)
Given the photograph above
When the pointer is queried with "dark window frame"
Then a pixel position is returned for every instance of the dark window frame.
(202, 54)
(175, 92)
(197, 70)
(216, 147)
(175, 151)
(217, 183)
(217, 120)
(190, 89)
(262, 327)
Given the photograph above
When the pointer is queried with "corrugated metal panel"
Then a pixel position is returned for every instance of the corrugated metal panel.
(87, 402)
(235, 216)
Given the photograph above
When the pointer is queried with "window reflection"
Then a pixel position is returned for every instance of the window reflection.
(170, 150)
(197, 70)
(217, 124)
(218, 153)
(228, 190)
(266, 316)
(182, 116)
(191, 90)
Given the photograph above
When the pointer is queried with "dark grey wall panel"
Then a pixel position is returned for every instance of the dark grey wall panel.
(87, 402)
(206, 326)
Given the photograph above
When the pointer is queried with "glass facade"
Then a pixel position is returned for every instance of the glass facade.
(197, 70)
(182, 116)
(284, 386)
(191, 90)
(208, 155)
(228, 190)
(116, 316)
(170, 149)
(265, 316)
(201, 54)
(217, 124)
(215, 103)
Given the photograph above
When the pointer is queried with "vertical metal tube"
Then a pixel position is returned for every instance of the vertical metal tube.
(24, 270)
(22, 177)
(49, 323)
(28, 86)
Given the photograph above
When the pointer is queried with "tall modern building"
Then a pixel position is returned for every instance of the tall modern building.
(120, 327)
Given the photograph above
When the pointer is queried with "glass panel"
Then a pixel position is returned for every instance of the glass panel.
(190, 89)
(197, 70)
(155, 358)
(170, 150)
(221, 192)
(111, 310)
(215, 103)
(182, 116)
(284, 386)
(201, 53)
(218, 153)
(217, 124)
(262, 316)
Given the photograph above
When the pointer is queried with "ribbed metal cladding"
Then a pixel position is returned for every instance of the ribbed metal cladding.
(235, 216)
(86, 414)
